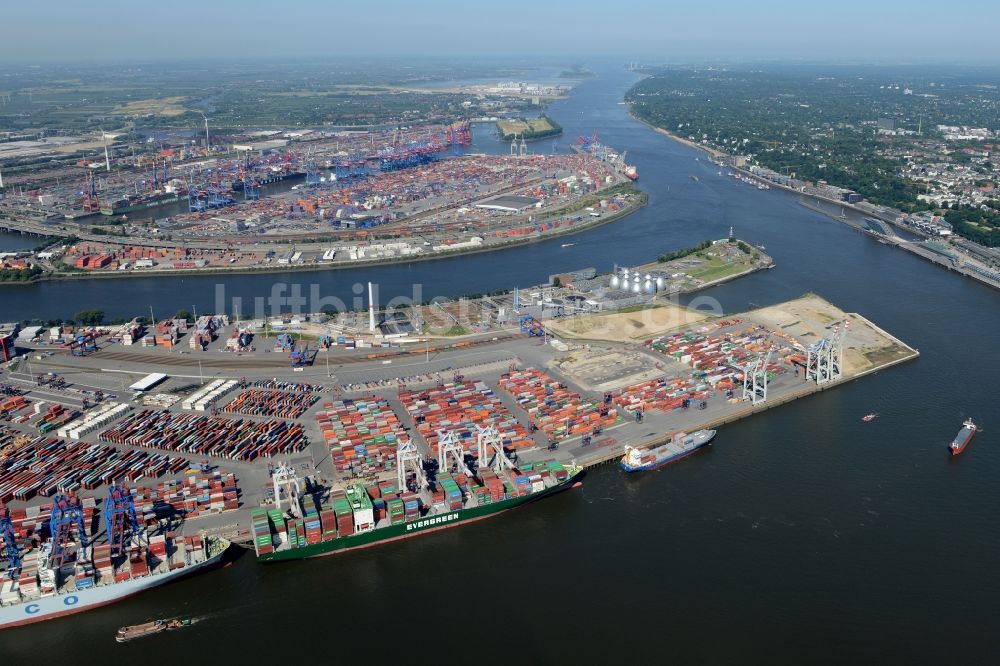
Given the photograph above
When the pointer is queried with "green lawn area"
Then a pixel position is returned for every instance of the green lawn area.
(716, 269)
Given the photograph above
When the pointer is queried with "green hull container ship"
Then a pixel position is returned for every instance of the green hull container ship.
(361, 517)
(130, 205)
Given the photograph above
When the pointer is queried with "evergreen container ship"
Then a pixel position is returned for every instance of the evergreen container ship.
(359, 516)
(47, 578)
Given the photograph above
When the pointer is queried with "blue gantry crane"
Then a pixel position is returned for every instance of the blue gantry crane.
(532, 326)
(302, 357)
(251, 190)
(83, 345)
(313, 177)
(10, 543)
(67, 513)
(119, 519)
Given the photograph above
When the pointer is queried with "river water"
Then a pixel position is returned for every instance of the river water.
(802, 536)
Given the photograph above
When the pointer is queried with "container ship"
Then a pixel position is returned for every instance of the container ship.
(595, 149)
(267, 178)
(680, 446)
(360, 516)
(62, 575)
(963, 437)
(129, 204)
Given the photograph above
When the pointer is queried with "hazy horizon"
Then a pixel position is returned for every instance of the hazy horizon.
(850, 32)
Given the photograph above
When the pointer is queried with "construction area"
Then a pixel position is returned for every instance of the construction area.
(163, 419)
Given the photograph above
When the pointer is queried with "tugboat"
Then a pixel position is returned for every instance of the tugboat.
(869, 417)
(963, 437)
(135, 631)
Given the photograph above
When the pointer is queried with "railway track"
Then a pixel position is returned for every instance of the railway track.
(231, 362)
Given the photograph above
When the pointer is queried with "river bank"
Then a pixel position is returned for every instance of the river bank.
(588, 224)
(889, 216)
(799, 492)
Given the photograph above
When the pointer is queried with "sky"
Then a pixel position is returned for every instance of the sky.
(890, 31)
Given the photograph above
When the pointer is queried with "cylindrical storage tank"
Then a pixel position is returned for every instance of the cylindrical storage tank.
(625, 273)
(615, 281)
(648, 276)
(661, 284)
(649, 287)
(636, 288)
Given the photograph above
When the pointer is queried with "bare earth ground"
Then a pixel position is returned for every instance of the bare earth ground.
(600, 370)
(625, 326)
(810, 318)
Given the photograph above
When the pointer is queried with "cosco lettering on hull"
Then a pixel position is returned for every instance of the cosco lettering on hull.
(428, 522)
(70, 600)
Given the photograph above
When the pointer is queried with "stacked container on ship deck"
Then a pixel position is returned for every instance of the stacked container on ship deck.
(84, 575)
(157, 550)
(452, 493)
(328, 523)
(177, 552)
(138, 563)
(342, 509)
(493, 484)
(102, 563)
(261, 530)
(411, 506)
(280, 530)
(397, 511)
(310, 521)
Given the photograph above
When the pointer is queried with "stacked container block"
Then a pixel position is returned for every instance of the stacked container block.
(557, 411)
(362, 434)
(461, 407)
(237, 439)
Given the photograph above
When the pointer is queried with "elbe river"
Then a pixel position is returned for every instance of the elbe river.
(802, 536)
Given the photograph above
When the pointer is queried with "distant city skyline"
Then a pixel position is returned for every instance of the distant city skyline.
(850, 31)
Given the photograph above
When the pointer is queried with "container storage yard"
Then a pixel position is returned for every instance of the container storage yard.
(362, 434)
(383, 458)
(281, 404)
(45, 466)
(555, 409)
(236, 439)
(460, 407)
(405, 201)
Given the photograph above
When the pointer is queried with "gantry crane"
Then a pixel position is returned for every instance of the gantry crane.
(491, 453)
(11, 550)
(120, 520)
(408, 460)
(67, 513)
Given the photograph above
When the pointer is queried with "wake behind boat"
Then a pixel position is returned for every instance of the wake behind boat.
(680, 446)
(132, 632)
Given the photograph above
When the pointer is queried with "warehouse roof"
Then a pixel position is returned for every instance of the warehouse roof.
(148, 382)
